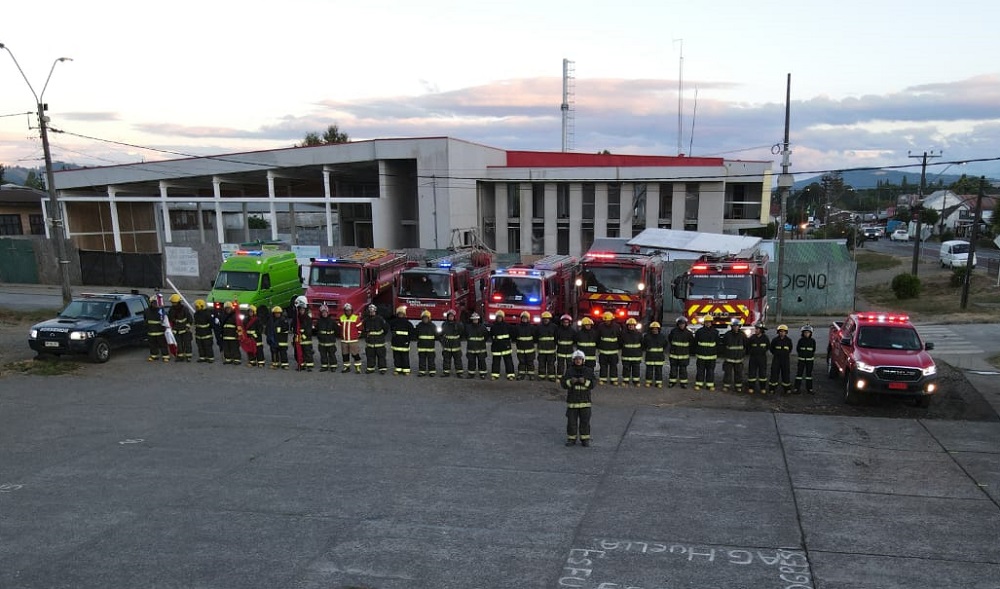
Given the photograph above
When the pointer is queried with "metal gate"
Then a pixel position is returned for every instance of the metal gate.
(121, 269)
(17, 262)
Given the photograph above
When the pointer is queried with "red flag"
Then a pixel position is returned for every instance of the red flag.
(247, 343)
(168, 332)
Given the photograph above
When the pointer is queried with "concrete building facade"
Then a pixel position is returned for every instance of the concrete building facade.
(428, 193)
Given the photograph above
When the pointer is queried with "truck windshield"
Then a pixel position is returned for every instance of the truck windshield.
(341, 277)
(611, 279)
(426, 285)
(888, 337)
(231, 280)
(721, 287)
(86, 310)
(516, 289)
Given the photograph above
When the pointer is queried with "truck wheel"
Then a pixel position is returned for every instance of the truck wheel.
(851, 394)
(923, 401)
(101, 351)
(831, 368)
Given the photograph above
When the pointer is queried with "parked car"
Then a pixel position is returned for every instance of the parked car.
(955, 254)
(92, 325)
(871, 233)
(899, 235)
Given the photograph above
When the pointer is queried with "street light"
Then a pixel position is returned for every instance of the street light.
(58, 233)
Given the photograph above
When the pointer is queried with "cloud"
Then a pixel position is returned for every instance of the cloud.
(90, 116)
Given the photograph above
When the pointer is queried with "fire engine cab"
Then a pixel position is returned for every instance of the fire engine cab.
(725, 286)
(364, 277)
(629, 285)
(454, 282)
(546, 285)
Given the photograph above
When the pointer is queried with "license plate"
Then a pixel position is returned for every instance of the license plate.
(897, 386)
(51, 344)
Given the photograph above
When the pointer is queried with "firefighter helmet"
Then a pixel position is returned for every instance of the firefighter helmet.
(228, 305)
(474, 317)
(152, 300)
(631, 321)
(301, 301)
(586, 321)
(499, 315)
(566, 317)
(449, 312)
(325, 309)
(707, 319)
(608, 316)
(760, 326)
(400, 310)
(654, 325)
(175, 298)
(681, 320)
(546, 315)
(735, 322)
(425, 313)
(348, 307)
(276, 309)
(578, 354)
(372, 309)
(806, 328)
(525, 315)
(199, 304)
(252, 308)
(783, 327)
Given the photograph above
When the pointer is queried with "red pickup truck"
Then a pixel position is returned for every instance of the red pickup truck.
(881, 353)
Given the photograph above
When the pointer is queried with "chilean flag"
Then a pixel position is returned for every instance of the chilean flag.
(168, 332)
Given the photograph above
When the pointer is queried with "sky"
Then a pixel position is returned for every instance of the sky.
(872, 82)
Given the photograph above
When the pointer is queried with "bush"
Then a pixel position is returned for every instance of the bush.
(906, 286)
(957, 277)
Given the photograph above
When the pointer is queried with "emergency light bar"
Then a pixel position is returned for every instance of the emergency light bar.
(882, 318)
(249, 253)
(520, 272)
(328, 260)
(445, 264)
(602, 255)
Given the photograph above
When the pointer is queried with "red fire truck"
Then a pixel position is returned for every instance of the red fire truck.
(725, 286)
(628, 284)
(546, 285)
(453, 282)
(361, 278)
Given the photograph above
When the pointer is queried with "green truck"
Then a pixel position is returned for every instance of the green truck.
(257, 277)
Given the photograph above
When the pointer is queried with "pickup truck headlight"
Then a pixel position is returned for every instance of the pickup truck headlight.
(80, 335)
(930, 370)
(33, 334)
(865, 367)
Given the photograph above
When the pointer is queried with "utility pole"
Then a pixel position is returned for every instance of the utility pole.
(972, 242)
(784, 184)
(919, 207)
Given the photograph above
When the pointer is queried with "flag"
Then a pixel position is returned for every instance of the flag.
(247, 343)
(168, 332)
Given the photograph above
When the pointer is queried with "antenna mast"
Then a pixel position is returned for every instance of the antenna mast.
(680, 100)
(567, 105)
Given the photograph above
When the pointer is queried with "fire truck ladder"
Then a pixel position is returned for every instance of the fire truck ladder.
(366, 255)
(554, 262)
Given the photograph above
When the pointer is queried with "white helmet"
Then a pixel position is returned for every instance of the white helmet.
(300, 301)
(579, 354)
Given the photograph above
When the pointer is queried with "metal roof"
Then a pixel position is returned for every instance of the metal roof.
(694, 241)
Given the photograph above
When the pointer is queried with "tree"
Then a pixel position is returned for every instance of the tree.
(36, 181)
(255, 222)
(332, 136)
(965, 185)
(996, 218)
(3, 169)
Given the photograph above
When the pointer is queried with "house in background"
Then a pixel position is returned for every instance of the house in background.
(21, 210)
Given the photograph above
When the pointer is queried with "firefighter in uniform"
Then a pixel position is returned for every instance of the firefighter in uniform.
(451, 344)
(781, 352)
(631, 342)
(326, 340)
(524, 338)
(757, 346)
(277, 338)
(203, 331)
(255, 329)
(302, 332)
(654, 345)
(402, 334)
(546, 334)
(578, 380)
(565, 344)
(734, 350)
(155, 332)
(680, 340)
(230, 335)
(180, 322)
(476, 336)
(499, 337)
(608, 345)
(706, 341)
(426, 333)
(805, 349)
(374, 330)
(349, 329)
(586, 341)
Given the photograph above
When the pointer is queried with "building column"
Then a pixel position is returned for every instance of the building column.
(625, 197)
(293, 236)
(524, 192)
(116, 230)
(680, 201)
(328, 207)
(600, 210)
(711, 206)
(652, 204)
(501, 214)
(201, 222)
(168, 236)
(575, 219)
(551, 210)
(246, 222)
(220, 226)
(271, 203)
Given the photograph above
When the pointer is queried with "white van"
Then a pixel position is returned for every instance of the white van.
(955, 254)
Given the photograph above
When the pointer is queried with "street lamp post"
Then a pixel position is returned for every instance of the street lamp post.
(58, 230)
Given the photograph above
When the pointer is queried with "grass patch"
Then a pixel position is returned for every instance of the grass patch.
(36, 316)
(939, 301)
(994, 360)
(41, 367)
(871, 261)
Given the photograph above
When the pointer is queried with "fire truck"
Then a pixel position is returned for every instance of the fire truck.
(725, 285)
(628, 284)
(546, 285)
(456, 282)
(361, 278)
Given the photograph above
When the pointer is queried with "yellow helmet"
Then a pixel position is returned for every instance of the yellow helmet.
(499, 315)
(608, 316)
(546, 315)
(152, 300)
(228, 305)
(586, 321)
(401, 310)
(175, 298)
(706, 320)
(252, 308)
(276, 309)
(199, 304)
(631, 321)
(425, 313)
(654, 325)
(525, 315)
(783, 327)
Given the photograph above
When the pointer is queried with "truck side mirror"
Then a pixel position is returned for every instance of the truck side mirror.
(928, 346)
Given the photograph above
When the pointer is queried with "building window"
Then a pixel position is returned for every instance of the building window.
(513, 238)
(589, 192)
(513, 201)
(666, 201)
(691, 198)
(36, 224)
(740, 204)
(562, 201)
(562, 240)
(638, 208)
(538, 200)
(11, 225)
(537, 238)
(586, 236)
(614, 201)
(614, 230)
